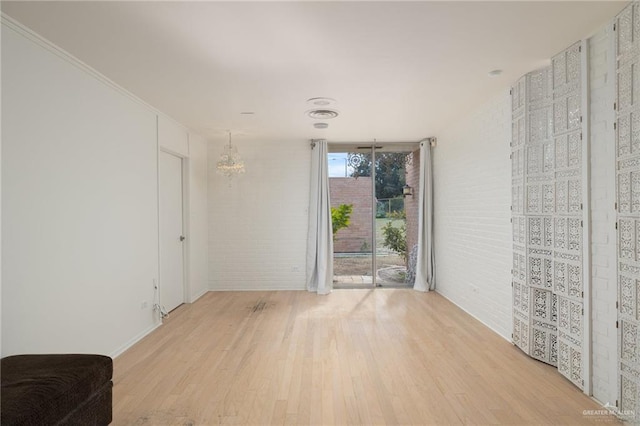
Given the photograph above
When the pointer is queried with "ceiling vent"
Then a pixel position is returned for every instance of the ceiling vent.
(322, 114)
(321, 101)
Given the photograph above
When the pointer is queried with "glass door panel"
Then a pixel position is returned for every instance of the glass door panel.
(351, 192)
(396, 178)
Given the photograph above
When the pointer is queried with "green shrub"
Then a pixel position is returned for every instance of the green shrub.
(396, 239)
(340, 217)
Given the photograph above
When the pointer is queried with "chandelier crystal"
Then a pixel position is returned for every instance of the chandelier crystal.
(230, 163)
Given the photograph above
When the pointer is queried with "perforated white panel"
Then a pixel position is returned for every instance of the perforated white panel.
(521, 317)
(567, 250)
(627, 30)
(540, 208)
(547, 150)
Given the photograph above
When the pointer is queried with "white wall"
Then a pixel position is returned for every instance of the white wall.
(197, 234)
(173, 137)
(0, 202)
(258, 222)
(472, 231)
(472, 189)
(603, 216)
(79, 196)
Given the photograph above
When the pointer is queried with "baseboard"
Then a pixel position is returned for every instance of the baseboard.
(135, 340)
(266, 288)
(199, 295)
(508, 339)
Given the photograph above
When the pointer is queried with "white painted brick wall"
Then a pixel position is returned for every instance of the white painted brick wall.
(258, 223)
(197, 233)
(472, 231)
(603, 217)
(472, 178)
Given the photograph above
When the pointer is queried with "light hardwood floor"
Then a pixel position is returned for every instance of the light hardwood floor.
(366, 357)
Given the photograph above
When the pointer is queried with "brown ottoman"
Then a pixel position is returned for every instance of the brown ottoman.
(56, 390)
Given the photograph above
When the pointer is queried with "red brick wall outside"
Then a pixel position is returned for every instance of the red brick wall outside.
(411, 202)
(356, 191)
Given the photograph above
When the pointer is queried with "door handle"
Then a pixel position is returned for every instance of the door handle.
(182, 237)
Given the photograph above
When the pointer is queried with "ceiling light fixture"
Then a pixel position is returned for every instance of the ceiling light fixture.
(320, 125)
(230, 163)
(322, 114)
(495, 73)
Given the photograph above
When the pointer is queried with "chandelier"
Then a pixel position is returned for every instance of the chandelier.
(230, 163)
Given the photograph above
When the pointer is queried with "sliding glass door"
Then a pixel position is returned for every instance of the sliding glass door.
(351, 192)
(393, 219)
(374, 214)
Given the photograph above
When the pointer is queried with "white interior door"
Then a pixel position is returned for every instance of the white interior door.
(171, 232)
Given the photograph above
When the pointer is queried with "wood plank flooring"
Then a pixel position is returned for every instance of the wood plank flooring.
(361, 357)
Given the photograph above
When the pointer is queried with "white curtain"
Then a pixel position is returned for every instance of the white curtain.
(425, 265)
(320, 236)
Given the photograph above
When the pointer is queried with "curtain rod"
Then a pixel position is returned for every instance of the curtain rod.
(432, 141)
(377, 142)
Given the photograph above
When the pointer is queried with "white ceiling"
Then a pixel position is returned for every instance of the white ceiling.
(399, 71)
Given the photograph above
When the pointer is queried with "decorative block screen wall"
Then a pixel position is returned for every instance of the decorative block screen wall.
(547, 150)
(627, 31)
(568, 276)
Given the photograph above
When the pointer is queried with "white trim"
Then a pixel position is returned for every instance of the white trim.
(186, 226)
(1, 352)
(170, 151)
(156, 281)
(264, 287)
(587, 367)
(135, 340)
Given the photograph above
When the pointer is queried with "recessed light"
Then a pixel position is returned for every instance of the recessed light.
(495, 73)
(322, 114)
(320, 125)
(321, 101)
(247, 113)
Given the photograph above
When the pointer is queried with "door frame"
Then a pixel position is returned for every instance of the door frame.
(374, 210)
(373, 147)
(361, 148)
(186, 285)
